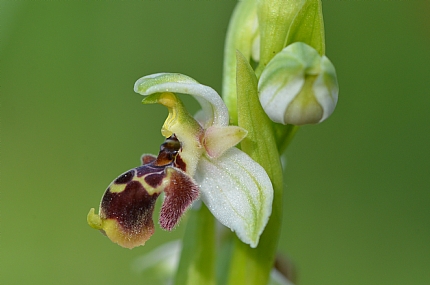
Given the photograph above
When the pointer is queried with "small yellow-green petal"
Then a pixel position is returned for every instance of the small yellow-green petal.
(219, 139)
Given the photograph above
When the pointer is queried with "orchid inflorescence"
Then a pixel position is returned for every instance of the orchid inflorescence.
(276, 78)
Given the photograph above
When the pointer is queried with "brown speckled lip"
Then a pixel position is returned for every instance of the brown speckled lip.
(131, 208)
(125, 178)
(155, 180)
(147, 169)
(127, 207)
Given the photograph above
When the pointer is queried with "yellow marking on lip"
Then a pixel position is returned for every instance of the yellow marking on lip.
(151, 190)
(117, 188)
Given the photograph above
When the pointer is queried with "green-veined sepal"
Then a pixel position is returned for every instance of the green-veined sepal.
(238, 192)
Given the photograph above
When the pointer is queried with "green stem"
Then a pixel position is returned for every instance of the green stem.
(197, 263)
(285, 135)
(240, 35)
(252, 266)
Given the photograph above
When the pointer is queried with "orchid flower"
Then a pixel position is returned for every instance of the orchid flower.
(198, 159)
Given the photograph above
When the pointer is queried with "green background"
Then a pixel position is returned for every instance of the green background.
(357, 186)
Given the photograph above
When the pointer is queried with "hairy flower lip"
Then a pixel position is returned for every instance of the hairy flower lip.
(127, 206)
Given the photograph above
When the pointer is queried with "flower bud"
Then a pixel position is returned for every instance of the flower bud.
(298, 86)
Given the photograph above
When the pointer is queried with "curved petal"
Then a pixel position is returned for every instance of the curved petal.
(208, 98)
(238, 192)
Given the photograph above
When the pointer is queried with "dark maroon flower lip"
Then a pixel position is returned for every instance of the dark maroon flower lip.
(127, 206)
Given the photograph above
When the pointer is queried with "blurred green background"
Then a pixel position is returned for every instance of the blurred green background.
(357, 186)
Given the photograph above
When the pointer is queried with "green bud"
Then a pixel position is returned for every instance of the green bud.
(308, 26)
(274, 19)
(298, 86)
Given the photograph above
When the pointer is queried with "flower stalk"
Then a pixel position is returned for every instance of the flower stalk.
(197, 262)
(253, 265)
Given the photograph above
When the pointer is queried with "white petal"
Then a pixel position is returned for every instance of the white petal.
(208, 98)
(238, 192)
